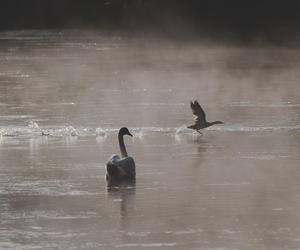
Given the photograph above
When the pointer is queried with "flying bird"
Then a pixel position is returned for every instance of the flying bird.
(121, 168)
(200, 120)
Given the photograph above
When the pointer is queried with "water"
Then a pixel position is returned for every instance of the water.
(63, 96)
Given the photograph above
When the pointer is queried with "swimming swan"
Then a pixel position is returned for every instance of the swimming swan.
(200, 120)
(121, 168)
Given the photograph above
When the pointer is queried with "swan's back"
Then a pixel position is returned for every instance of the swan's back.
(118, 168)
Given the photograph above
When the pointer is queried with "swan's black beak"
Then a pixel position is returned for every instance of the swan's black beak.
(130, 134)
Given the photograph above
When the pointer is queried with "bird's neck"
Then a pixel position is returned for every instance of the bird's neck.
(216, 122)
(122, 146)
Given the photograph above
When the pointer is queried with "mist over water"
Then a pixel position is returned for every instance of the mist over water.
(65, 94)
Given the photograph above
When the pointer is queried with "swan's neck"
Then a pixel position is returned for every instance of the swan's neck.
(122, 146)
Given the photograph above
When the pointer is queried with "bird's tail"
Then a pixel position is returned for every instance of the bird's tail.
(192, 127)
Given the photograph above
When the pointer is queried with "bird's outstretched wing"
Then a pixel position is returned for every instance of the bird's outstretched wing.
(198, 112)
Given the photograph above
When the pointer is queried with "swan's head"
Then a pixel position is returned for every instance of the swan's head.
(124, 131)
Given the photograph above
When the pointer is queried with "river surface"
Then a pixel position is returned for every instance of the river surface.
(65, 94)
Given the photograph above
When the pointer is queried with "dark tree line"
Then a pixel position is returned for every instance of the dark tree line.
(243, 18)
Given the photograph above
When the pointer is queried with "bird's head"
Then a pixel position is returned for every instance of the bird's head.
(124, 131)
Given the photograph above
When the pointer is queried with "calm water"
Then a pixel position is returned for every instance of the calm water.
(235, 187)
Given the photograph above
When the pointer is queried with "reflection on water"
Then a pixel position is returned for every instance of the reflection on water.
(123, 192)
(63, 97)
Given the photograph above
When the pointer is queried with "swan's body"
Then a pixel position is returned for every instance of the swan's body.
(121, 168)
(200, 120)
